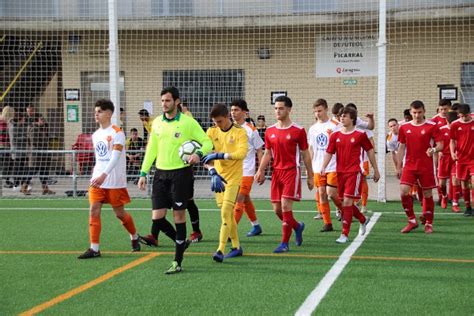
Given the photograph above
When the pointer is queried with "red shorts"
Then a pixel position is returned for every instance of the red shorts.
(445, 166)
(464, 170)
(426, 179)
(350, 184)
(114, 197)
(246, 185)
(286, 183)
(329, 179)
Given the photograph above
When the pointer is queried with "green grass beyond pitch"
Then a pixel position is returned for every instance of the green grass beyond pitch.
(391, 273)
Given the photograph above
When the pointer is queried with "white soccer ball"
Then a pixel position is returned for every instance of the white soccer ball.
(187, 149)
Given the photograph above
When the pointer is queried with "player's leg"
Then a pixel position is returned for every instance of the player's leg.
(96, 199)
(333, 193)
(324, 206)
(240, 203)
(193, 211)
(227, 214)
(249, 207)
(292, 192)
(407, 181)
(456, 191)
(117, 199)
(316, 181)
(180, 241)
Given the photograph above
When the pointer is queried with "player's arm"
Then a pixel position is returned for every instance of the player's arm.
(239, 154)
(201, 137)
(433, 150)
(373, 162)
(395, 159)
(401, 154)
(260, 174)
(114, 160)
(370, 121)
(151, 153)
(309, 168)
(452, 149)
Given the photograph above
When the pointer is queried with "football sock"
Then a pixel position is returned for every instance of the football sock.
(318, 206)
(165, 226)
(255, 223)
(238, 211)
(442, 190)
(95, 227)
(428, 209)
(180, 242)
(250, 211)
(467, 197)
(407, 203)
(286, 227)
(456, 193)
(194, 215)
(227, 226)
(326, 212)
(347, 212)
(155, 228)
(365, 192)
(127, 222)
(420, 192)
(357, 214)
(95, 247)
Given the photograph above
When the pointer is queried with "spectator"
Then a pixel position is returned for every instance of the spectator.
(134, 159)
(184, 107)
(261, 126)
(147, 121)
(19, 142)
(40, 161)
(30, 114)
(6, 120)
(248, 119)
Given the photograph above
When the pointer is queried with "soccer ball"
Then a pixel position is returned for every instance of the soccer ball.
(187, 149)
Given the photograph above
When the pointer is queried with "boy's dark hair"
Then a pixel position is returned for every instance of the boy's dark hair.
(417, 104)
(320, 102)
(464, 108)
(444, 102)
(406, 112)
(144, 112)
(455, 107)
(352, 113)
(336, 108)
(219, 109)
(172, 90)
(452, 116)
(285, 99)
(122, 109)
(261, 117)
(351, 105)
(241, 103)
(104, 105)
(133, 130)
(392, 120)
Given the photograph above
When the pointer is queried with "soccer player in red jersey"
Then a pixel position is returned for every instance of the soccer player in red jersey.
(349, 145)
(415, 140)
(441, 118)
(462, 151)
(285, 141)
(446, 163)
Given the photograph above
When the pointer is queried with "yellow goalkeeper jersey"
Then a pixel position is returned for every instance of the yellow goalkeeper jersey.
(233, 142)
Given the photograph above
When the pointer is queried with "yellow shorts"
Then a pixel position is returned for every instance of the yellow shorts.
(114, 197)
(329, 179)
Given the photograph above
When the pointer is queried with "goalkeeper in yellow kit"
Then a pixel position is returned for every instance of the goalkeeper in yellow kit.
(225, 167)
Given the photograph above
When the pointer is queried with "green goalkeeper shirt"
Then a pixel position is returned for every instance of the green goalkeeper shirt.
(166, 137)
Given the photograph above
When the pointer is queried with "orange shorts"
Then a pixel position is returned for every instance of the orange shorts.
(246, 185)
(114, 197)
(329, 179)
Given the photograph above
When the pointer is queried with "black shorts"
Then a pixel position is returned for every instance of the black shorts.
(172, 188)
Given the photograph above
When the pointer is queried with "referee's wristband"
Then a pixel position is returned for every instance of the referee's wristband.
(142, 174)
(199, 153)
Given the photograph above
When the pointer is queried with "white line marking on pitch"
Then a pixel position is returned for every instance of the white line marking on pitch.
(316, 296)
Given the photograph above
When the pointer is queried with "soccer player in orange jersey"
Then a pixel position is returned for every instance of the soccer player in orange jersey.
(109, 182)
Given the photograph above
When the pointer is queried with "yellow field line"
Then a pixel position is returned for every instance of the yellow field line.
(82, 288)
(380, 258)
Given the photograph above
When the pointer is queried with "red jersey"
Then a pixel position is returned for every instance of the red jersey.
(463, 134)
(445, 138)
(349, 149)
(439, 120)
(285, 144)
(417, 139)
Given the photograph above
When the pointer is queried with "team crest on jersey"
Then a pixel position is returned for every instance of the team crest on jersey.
(409, 131)
(322, 140)
(459, 128)
(288, 136)
(273, 136)
(338, 140)
(423, 132)
(352, 140)
(177, 135)
(231, 140)
(101, 149)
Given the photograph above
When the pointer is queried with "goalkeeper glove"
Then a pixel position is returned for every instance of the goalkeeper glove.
(217, 181)
(213, 156)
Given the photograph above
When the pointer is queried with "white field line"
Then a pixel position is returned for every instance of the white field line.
(19, 208)
(316, 296)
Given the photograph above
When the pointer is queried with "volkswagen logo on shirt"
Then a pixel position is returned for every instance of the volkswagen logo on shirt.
(322, 141)
(101, 149)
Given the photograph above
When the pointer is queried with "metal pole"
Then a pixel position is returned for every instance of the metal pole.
(114, 65)
(381, 92)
